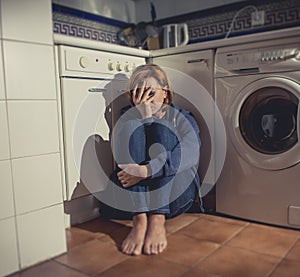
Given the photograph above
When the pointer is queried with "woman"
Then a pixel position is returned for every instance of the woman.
(156, 147)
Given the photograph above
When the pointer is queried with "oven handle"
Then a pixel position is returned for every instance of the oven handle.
(97, 89)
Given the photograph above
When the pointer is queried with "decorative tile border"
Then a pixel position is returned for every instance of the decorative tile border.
(203, 25)
(215, 23)
(81, 24)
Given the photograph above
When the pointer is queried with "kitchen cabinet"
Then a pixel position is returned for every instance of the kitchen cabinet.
(39, 175)
(28, 20)
(33, 127)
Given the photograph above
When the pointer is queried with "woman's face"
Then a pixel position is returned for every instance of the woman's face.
(159, 94)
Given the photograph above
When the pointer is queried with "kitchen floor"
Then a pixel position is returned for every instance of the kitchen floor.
(198, 245)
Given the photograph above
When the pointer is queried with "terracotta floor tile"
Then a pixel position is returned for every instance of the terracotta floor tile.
(236, 262)
(76, 236)
(49, 269)
(187, 250)
(287, 268)
(92, 257)
(177, 223)
(294, 254)
(225, 219)
(210, 230)
(198, 273)
(145, 266)
(100, 226)
(265, 239)
(116, 237)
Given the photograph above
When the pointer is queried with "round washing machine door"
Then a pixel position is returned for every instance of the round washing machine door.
(265, 122)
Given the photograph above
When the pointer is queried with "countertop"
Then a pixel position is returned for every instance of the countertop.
(213, 44)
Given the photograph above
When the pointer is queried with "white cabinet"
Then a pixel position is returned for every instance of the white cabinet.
(4, 140)
(2, 87)
(33, 127)
(37, 182)
(8, 244)
(29, 70)
(28, 20)
(43, 231)
(6, 191)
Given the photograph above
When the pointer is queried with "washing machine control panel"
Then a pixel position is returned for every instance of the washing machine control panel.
(259, 59)
(93, 63)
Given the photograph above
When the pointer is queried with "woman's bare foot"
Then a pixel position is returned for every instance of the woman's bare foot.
(156, 239)
(134, 242)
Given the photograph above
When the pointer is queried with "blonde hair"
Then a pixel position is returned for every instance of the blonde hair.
(145, 71)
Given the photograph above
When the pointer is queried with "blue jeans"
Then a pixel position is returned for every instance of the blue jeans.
(143, 197)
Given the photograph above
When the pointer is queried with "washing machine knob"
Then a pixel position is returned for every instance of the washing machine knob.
(119, 67)
(110, 66)
(84, 62)
(126, 67)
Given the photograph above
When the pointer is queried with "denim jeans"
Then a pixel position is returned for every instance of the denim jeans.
(144, 196)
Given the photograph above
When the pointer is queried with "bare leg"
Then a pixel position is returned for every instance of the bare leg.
(156, 239)
(134, 242)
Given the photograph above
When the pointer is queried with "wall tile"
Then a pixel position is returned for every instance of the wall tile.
(41, 235)
(4, 140)
(33, 127)
(28, 20)
(29, 71)
(8, 244)
(37, 182)
(6, 191)
(2, 86)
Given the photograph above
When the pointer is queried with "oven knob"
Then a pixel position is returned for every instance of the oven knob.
(119, 67)
(110, 66)
(84, 61)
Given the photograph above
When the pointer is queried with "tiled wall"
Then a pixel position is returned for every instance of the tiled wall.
(31, 206)
(203, 25)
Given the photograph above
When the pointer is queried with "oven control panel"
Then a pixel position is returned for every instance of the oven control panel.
(97, 64)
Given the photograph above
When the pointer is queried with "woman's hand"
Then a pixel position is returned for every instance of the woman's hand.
(131, 174)
(141, 97)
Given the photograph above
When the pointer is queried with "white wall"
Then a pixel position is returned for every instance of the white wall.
(169, 8)
(31, 202)
(123, 10)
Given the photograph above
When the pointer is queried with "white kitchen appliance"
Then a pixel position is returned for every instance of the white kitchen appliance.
(191, 74)
(92, 93)
(258, 94)
(175, 35)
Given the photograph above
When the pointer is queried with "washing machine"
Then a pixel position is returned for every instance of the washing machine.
(257, 87)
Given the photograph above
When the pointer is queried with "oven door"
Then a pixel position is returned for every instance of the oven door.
(87, 118)
(265, 123)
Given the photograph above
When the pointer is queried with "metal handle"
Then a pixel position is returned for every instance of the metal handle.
(97, 89)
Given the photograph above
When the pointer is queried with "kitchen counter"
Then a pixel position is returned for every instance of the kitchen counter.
(109, 47)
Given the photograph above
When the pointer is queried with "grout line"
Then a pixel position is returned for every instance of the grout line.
(69, 267)
(284, 257)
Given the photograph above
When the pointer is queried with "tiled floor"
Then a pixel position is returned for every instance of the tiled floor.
(198, 245)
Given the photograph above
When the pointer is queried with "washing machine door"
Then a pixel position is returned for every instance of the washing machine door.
(265, 122)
